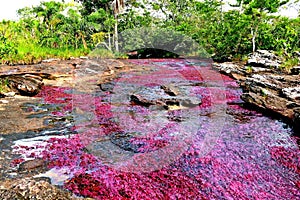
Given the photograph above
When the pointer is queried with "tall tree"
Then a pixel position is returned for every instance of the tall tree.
(258, 9)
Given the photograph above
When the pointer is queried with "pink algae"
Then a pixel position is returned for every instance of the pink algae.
(255, 157)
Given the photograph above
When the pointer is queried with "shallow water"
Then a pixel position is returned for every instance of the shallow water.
(110, 147)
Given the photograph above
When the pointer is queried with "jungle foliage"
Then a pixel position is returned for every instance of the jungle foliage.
(57, 29)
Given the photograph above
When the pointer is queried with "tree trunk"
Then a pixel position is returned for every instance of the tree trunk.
(116, 35)
(254, 33)
(83, 41)
(109, 41)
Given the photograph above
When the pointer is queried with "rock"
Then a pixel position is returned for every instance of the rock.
(123, 140)
(170, 90)
(292, 93)
(268, 89)
(265, 81)
(50, 60)
(259, 70)
(296, 54)
(32, 165)
(27, 84)
(295, 70)
(29, 188)
(297, 120)
(4, 101)
(10, 94)
(264, 58)
(84, 57)
(229, 68)
(164, 96)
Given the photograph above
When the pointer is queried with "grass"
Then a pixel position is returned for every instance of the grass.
(33, 53)
(288, 64)
(102, 53)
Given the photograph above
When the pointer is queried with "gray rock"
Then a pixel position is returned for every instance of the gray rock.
(50, 60)
(264, 58)
(292, 93)
(164, 96)
(229, 68)
(29, 188)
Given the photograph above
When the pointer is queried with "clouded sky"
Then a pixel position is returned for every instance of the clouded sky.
(9, 8)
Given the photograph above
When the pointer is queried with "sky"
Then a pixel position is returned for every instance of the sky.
(8, 9)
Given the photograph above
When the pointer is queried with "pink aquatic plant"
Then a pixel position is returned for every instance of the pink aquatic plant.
(255, 157)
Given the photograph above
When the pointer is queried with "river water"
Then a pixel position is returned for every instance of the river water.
(206, 145)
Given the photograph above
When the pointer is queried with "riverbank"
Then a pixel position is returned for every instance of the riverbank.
(268, 88)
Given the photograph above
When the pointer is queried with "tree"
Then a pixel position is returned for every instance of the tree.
(258, 9)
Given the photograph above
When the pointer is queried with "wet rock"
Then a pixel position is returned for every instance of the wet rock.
(29, 188)
(170, 90)
(32, 165)
(123, 140)
(164, 96)
(264, 58)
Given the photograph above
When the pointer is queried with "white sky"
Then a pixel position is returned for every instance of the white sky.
(8, 8)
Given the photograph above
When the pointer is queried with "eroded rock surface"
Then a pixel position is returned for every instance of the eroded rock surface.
(29, 188)
(164, 96)
(264, 58)
(265, 86)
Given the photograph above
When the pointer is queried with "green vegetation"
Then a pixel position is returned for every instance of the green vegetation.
(63, 30)
(3, 85)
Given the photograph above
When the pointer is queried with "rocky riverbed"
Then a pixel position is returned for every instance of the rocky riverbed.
(140, 129)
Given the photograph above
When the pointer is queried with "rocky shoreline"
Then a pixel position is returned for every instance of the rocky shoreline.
(266, 87)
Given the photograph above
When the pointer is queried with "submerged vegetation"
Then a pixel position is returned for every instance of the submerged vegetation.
(64, 30)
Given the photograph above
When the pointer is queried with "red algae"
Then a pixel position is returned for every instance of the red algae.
(254, 157)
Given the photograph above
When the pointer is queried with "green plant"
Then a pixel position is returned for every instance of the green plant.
(249, 69)
(3, 85)
(102, 53)
(289, 63)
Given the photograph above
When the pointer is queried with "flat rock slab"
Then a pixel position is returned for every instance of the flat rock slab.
(164, 96)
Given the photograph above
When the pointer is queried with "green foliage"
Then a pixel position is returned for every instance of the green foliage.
(102, 53)
(56, 29)
(7, 49)
(289, 63)
(3, 85)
